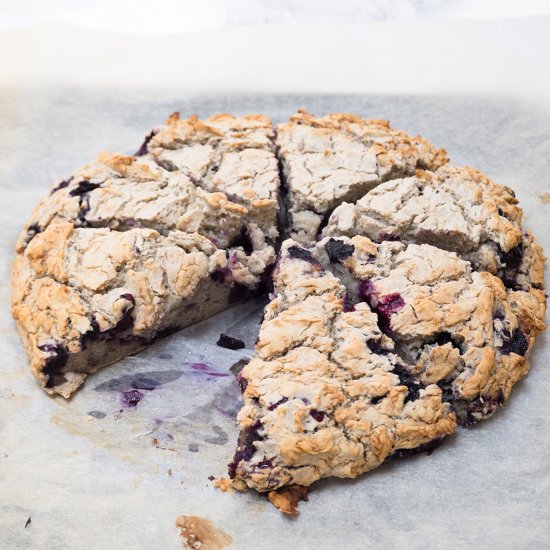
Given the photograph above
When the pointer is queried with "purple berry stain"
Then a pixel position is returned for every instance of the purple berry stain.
(384, 306)
(130, 399)
(205, 368)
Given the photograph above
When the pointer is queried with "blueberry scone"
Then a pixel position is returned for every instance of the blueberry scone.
(125, 251)
(406, 302)
(339, 157)
(368, 349)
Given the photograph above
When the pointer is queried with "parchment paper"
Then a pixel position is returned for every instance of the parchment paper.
(91, 473)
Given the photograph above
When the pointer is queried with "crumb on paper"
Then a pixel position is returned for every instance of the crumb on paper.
(545, 197)
(28, 522)
(197, 532)
(155, 442)
(170, 472)
(287, 498)
(224, 484)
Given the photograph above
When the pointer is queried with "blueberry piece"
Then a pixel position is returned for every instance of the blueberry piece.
(131, 399)
(54, 363)
(376, 400)
(376, 347)
(482, 407)
(238, 293)
(144, 149)
(512, 261)
(407, 379)
(317, 415)
(245, 446)
(275, 405)
(299, 253)
(338, 250)
(365, 291)
(391, 303)
(265, 463)
(347, 305)
(83, 187)
(517, 343)
(33, 230)
(61, 185)
(229, 342)
(242, 381)
(427, 448)
(129, 297)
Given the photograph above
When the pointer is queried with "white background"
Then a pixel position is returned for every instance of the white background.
(161, 16)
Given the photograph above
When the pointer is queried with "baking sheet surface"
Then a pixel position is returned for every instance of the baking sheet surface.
(92, 473)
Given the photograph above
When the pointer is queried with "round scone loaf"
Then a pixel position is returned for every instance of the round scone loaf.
(406, 300)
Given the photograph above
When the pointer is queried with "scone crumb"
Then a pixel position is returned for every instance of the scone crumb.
(224, 484)
(197, 532)
(287, 498)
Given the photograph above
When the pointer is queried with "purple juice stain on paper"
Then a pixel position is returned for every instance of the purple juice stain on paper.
(205, 368)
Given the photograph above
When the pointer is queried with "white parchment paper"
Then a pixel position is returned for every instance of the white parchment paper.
(91, 473)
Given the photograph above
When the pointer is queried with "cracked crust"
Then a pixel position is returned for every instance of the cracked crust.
(234, 155)
(458, 209)
(338, 158)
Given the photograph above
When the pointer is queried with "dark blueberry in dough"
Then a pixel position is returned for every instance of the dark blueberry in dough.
(482, 407)
(243, 240)
(238, 293)
(275, 405)
(407, 379)
(265, 463)
(54, 364)
(338, 250)
(144, 149)
(317, 415)
(229, 342)
(245, 447)
(61, 185)
(242, 381)
(517, 343)
(129, 297)
(512, 261)
(299, 253)
(347, 305)
(427, 448)
(83, 187)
